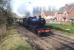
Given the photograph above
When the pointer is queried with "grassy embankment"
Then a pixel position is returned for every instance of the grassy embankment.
(67, 29)
(13, 41)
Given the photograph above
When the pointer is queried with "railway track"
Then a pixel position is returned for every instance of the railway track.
(35, 41)
(52, 42)
(66, 42)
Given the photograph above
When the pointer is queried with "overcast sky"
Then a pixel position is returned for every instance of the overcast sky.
(18, 6)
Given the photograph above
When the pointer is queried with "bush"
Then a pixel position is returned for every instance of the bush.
(72, 23)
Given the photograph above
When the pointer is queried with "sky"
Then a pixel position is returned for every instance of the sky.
(19, 6)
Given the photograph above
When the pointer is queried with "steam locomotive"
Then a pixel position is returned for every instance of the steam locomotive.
(36, 25)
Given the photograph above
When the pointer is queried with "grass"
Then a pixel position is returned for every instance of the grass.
(69, 34)
(67, 29)
(13, 41)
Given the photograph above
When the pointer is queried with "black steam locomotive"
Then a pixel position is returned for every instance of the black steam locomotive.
(36, 25)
